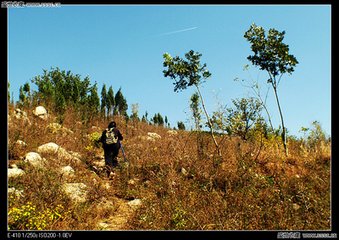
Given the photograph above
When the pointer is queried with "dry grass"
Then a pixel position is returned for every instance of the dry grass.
(254, 187)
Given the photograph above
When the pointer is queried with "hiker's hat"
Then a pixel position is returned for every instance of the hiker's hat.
(112, 125)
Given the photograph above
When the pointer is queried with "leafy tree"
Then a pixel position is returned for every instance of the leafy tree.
(84, 88)
(272, 56)
(316, 135)
(60, 106)
(56, 82)
(46, 90)
(243, 117)
(197, 120)
(186, 73)
(27, 88)
(195, 110)
(58, 89)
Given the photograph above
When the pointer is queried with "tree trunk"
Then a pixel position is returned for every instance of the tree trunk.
(209, 123)
(284, 137)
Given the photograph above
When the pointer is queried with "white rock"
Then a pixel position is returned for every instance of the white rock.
(40, 112)
(67, 171)
(50, 147)
(15, 172)
(35, 159)
(76, 191)
(54, 148)
(134, 203)
(154, 135)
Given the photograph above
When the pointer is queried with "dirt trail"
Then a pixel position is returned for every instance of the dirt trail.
(119, 214)
(119, 218)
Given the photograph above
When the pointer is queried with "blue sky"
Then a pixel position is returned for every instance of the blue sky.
(122, 46)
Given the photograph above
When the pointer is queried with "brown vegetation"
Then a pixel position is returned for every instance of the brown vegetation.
(255, 187)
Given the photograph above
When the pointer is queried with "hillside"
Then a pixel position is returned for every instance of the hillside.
(56, 181)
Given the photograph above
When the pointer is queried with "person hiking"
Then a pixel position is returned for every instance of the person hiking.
(110, 139)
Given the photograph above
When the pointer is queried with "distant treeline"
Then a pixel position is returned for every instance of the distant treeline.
(59, 90)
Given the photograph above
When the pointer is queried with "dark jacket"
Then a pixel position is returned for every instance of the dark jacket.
(111, 147)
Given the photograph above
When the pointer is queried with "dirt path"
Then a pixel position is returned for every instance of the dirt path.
(118, 218)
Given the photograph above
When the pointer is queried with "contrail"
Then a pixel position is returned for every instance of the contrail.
(178, 31)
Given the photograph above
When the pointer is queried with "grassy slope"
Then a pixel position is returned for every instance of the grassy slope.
(254, 187)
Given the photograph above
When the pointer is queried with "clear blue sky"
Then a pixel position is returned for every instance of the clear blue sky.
(122, 46)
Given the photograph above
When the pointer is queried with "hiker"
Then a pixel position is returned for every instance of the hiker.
(110, 140)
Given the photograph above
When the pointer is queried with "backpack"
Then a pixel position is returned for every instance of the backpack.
(110, 137)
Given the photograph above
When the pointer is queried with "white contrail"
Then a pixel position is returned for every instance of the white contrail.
(178, 31)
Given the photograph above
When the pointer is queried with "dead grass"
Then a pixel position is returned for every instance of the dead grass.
(255, 187)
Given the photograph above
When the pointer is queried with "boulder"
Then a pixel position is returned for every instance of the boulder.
(40, 112)
(15, 172)
(34, 159)
(67, 171)
(53, 148)
(76, 191)
(50, 147)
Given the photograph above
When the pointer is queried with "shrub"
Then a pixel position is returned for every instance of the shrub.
(29, 217)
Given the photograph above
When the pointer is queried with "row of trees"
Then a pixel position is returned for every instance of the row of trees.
(112, 104)
(59, 90)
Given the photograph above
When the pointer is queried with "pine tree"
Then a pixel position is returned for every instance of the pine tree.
(103, 100)
(110, 104)
(120, 104)
(93, 101)
(181, 125)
